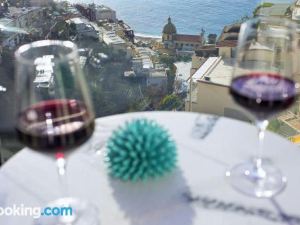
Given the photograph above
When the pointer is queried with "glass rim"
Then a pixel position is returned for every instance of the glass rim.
(44, 43)
(272, 20)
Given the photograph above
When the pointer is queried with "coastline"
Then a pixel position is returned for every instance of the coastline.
(147, 37)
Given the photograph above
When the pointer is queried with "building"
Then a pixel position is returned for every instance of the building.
(97, 12)
(103, 12)
(157, 82)
(211, 75)
(276, 10)
(125, 31)
(111, 39)
(83, 28)
(142, 63)
(180, 42)
(210, 89)
(23, 18)
(225, 46)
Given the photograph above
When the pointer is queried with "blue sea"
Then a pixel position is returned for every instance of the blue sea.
(148, 17)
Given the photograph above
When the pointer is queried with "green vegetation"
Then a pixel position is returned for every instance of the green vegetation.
(169, 61)
(274, 125)
(111, 92)
(184, 58)
(171, 102)
(263, 5)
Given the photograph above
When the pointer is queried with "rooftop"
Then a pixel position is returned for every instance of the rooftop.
(129, 73)
(145, 51)
(169, 28)
(77, 20)
(275, 10)
(158, 73)
(183, 70)
(216, 70)
(188, 38)
(147, 62)
(103, 8)
(112, 38)
(231, 43)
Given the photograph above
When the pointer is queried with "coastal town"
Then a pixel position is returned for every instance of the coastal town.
(126, 72)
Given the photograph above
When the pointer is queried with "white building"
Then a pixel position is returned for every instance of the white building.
(183, 71)
(111, 39)
(210, 89)
(145, 51)
(83, 28)
(210, 82)
(137, 65)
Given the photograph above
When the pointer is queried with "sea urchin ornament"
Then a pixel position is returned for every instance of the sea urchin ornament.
(140, 150)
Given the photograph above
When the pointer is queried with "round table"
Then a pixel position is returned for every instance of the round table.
(195, 193)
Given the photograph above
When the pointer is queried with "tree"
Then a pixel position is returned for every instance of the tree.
(72, 29)
(171, 102)
(169, 62)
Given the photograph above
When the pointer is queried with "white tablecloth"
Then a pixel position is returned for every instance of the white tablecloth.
(197, 192)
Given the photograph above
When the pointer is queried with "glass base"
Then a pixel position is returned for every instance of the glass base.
(69, 211)
(260, 183)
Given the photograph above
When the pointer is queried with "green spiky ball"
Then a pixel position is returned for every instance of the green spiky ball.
(140, 150)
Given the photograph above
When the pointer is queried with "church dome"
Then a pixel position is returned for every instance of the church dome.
(169, 28)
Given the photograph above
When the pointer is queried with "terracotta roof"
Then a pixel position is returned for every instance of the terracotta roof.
(188, 38)
(207, 47)
(227, 44)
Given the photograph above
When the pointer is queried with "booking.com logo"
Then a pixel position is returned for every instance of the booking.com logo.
(35, 212)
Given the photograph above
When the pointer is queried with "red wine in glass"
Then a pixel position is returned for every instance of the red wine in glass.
(264, 94)
(55, 125)
(263, 82)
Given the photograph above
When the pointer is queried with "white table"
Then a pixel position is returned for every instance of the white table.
(196, 193)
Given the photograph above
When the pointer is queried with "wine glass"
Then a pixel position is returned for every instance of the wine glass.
(54, 111)
(263, 84)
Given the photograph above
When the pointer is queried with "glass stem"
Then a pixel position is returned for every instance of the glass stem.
(61, 164)
(261, 126)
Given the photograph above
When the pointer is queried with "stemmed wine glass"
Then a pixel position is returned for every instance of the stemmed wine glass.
(263, 84)
(54, 111)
